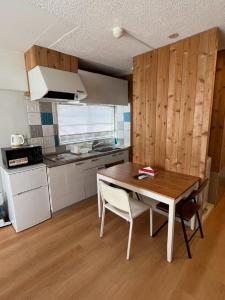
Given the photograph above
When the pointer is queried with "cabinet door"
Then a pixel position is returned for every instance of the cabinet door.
(91, 181)
(28, 180)
(104, 89)
(120, 156)
(31, 208)
(66, 185)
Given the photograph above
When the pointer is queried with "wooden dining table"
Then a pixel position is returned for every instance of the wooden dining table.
(167, 187)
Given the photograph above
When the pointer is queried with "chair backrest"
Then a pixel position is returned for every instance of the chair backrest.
(118, 198)
(201, 187)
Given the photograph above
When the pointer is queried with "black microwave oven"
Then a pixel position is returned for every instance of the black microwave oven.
(21, 156)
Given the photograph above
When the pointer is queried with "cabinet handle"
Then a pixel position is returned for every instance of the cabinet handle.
(95, 159)
(37, 188)
(79, 163)
(100, 168)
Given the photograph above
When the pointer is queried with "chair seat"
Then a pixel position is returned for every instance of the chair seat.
(149, 201)
(185, 208)
(137, 208)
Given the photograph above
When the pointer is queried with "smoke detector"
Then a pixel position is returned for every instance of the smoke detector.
(118, 32)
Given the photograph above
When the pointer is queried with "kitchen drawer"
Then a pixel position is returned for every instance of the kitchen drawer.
(119, 156)
(80, 166)
(31, 208)
(95, 162)
(28, 180)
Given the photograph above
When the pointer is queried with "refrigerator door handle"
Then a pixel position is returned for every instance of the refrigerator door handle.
(40, 187)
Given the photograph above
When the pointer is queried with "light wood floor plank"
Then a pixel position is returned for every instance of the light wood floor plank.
(64, 258)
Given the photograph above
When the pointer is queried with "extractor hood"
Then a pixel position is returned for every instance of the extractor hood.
(47, 84)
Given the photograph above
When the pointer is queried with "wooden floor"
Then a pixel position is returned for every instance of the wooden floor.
(63, 258)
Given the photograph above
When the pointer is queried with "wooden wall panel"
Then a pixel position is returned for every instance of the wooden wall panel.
(208, 97)
(150, 109)
(137, 82)
(172, 104)
(217, 132)
(40, 56)
(50, 58)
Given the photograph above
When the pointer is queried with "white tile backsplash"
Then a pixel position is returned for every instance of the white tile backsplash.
(54, 107)
(37, 141)
(49, 150)
(32, 106)
(122, 128)
(34, 118)
(49, 141)
(55, 119)
(48, 130)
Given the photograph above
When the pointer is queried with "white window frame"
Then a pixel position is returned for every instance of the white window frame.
(89, 136)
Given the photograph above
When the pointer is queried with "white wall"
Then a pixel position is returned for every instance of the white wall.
(13, 116)
(12, 71)
(13, 83)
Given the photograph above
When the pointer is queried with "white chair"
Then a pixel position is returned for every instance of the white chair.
(118, 201)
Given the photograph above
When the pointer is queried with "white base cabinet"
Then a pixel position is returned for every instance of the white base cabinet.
(66, 185)
(73, 182)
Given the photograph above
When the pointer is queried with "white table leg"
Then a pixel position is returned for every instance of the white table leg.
(170, 236)
(99, 198)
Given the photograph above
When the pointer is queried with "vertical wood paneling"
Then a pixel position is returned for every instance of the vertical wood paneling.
(188, 108)
(174, 102)
(161, 106)
(151, 95)
(174, 86)
(208, 99)
(217, 132)
(142, 116)
(199, 101)
(136, 107)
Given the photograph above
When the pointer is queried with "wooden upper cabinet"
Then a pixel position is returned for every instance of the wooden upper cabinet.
(40, 56)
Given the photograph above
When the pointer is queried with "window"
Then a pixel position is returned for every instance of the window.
(78, 123)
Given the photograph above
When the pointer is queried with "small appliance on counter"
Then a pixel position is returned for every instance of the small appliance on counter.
(17, 140)
(21, 156)
(81, 148)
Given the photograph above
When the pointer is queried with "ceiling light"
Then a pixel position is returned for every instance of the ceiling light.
(118, 32)
(173, 35)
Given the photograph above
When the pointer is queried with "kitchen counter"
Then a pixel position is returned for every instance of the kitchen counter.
(54, 160)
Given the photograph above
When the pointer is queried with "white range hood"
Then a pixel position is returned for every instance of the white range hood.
(47, 84)
(104, 90)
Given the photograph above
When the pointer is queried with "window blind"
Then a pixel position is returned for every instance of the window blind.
(78, 123)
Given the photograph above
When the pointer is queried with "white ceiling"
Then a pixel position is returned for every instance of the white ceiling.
(83, 27)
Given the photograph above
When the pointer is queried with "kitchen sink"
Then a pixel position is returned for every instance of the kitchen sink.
(105, 149)
(62, 157)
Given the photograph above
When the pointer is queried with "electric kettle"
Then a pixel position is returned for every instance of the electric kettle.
(17, 140)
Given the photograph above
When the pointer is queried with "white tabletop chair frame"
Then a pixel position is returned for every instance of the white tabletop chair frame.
(118, 201)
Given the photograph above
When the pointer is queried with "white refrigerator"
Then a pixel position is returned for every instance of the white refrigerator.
(26, 192)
